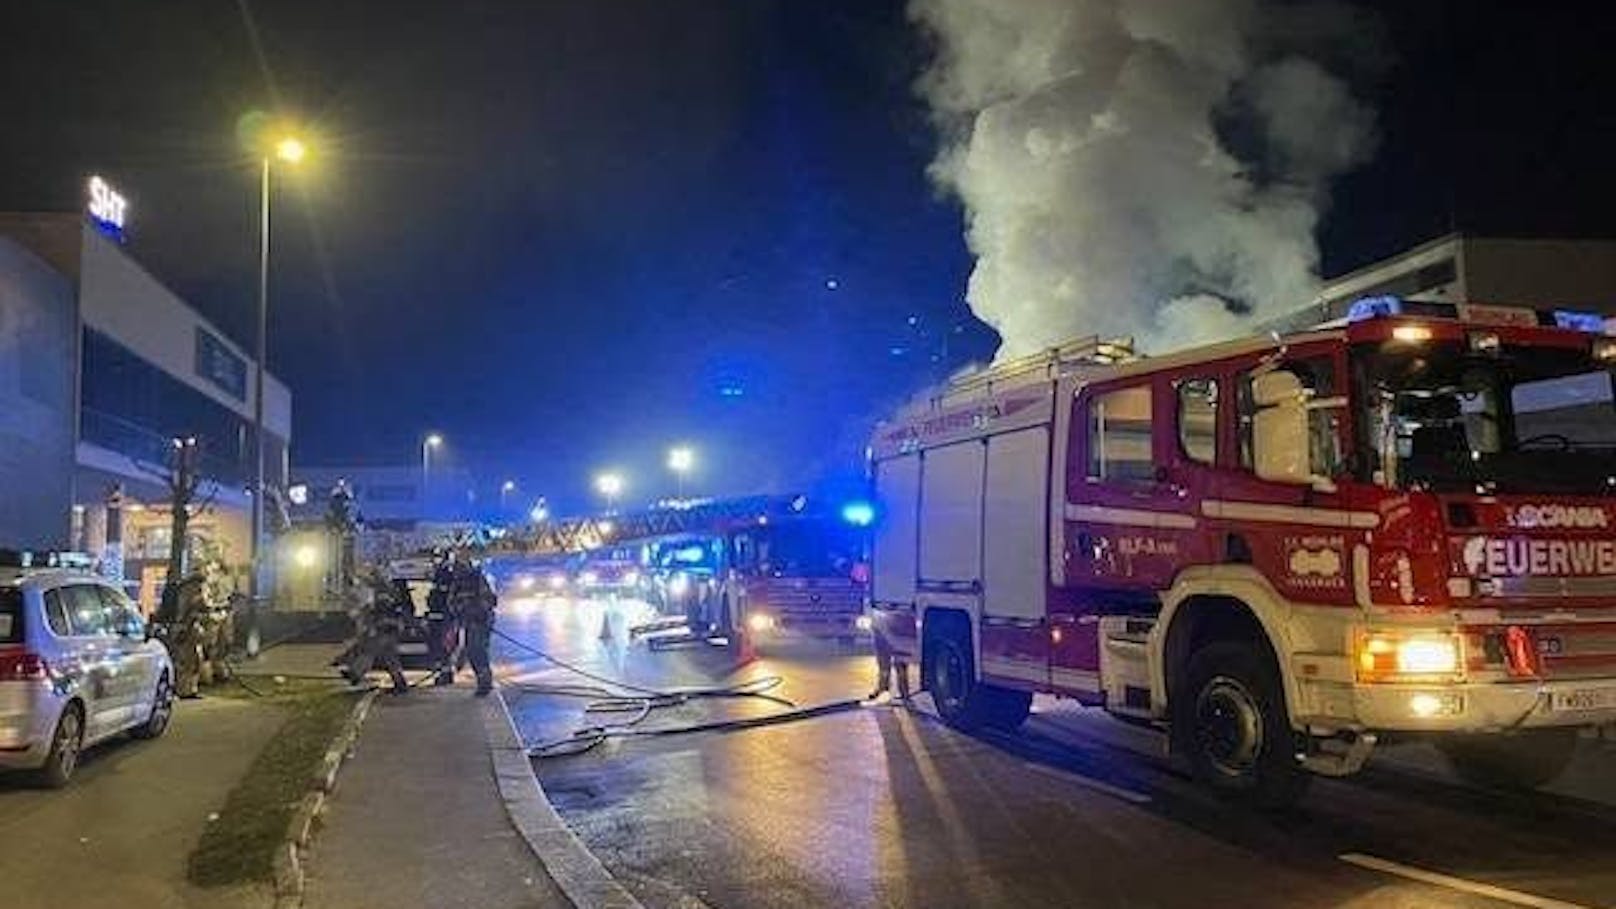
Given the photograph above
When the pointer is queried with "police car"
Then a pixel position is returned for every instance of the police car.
(76, 669)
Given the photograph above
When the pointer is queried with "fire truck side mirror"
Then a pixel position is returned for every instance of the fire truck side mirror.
(1280, 429)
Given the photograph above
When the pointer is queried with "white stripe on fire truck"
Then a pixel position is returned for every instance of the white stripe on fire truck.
(1012, 669)
(1079, 679)
(1289, 514)
(1134, 517)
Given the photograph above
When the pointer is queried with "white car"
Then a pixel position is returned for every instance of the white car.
(75, 669)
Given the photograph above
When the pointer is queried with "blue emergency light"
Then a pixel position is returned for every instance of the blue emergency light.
(859, 514)
(1366, 308)
(1591, 322)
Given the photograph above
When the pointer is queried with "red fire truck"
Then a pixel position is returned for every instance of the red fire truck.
(1276, 550)
(786, 574)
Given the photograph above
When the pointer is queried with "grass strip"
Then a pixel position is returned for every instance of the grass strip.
(239, 847)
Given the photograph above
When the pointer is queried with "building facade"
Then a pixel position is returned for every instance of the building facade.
(1540, 274)
(144, 368)
(391, 496)
(37, 387)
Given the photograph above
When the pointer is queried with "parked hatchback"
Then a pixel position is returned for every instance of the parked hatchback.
(75, 669)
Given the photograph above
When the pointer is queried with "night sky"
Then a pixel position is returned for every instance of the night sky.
(568, 234)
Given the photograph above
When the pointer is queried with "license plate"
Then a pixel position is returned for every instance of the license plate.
(411, 649)
(1576, 700)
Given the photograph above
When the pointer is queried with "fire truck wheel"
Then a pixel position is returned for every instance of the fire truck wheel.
(951, 678)
(1230, 717)
(1523, 760)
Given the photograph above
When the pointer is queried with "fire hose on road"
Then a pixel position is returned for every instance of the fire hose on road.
(610, 695)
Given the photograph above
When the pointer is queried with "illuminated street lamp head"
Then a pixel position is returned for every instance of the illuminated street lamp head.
(434, 440)
(681, 459)
(290, 149)
(507, 486)
(609, 484)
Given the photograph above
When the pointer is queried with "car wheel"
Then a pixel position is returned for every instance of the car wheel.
(162, 711)
(1523, 760)
(1230, 717)
(66, 742)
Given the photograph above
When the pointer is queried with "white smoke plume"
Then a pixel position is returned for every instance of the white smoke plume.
(1154, 168)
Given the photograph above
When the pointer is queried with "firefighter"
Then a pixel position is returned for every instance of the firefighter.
(442, 625)
(381, 620)
(218, 624)
(472, 600)
(887, 665)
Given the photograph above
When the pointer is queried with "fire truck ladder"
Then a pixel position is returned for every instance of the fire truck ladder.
(583, 533)
(1045, 364)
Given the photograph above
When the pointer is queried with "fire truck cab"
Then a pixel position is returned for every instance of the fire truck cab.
(786, 574)
(1278, 550)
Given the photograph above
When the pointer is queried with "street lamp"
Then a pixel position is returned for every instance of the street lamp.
(432, 440)
(609, 485)
(505, 489)
(540, 512)
(290, 150)
(681, 460)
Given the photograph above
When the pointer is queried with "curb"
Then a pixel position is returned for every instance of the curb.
(582, 878)
(288, 869)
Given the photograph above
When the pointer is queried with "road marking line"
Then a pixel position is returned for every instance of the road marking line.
(1477, 888)
(1088, 782)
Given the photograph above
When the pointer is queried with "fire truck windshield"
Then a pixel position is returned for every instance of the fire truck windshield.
(1515, 419)
(807, 549)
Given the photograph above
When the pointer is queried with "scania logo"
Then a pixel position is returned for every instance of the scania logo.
(1529, 516)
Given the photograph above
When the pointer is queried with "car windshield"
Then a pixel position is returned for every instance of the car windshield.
(1517, 419)
(10, 615)
(813, 549)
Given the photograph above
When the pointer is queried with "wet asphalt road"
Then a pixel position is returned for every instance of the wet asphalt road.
(887, 807)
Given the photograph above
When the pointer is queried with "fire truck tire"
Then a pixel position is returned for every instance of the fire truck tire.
(1230, 720)
(951, 677)
(1522, 760)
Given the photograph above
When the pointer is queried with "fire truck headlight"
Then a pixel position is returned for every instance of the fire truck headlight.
(759, 622)
(558, 581)
(863, 623)
(524, 582)
(1385, 656)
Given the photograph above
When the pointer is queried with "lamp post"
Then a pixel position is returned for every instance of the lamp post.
(610, 485)
(290, 150)
(432, 440)
(505, 489)
(681, 460)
